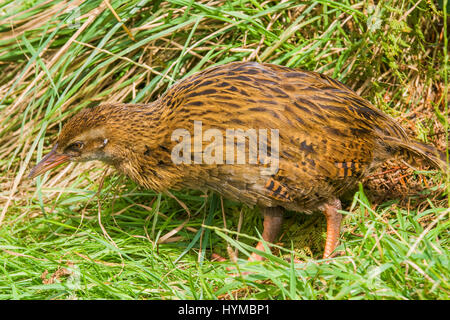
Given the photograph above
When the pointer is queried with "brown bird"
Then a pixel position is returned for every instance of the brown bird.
(310, 139)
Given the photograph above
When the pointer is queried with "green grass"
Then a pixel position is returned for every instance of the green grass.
(63, 238)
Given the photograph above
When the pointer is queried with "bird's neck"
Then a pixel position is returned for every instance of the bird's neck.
(142, 144)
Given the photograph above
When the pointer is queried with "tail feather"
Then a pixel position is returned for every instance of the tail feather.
(415, 152)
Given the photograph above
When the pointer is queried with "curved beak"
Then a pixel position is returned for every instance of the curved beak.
(51, 160)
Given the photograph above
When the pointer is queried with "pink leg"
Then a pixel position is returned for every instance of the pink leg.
(273, 219)
(334, 218)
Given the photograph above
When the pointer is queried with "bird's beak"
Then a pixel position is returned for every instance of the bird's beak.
(51, 160)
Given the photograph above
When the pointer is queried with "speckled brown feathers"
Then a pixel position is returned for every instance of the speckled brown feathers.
(329, 137)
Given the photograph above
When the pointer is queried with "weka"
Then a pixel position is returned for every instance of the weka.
(329, 139)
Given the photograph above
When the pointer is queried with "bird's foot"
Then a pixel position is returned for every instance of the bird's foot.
(254, 257)
(219, 258)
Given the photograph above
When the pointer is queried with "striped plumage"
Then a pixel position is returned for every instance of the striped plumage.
(329, 138)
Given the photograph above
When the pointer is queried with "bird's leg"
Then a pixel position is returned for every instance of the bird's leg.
(273, 219)
(334, 218)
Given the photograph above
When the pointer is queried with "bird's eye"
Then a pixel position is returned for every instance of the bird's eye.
(76, 146)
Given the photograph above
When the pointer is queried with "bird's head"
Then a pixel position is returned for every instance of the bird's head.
(86, 136)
